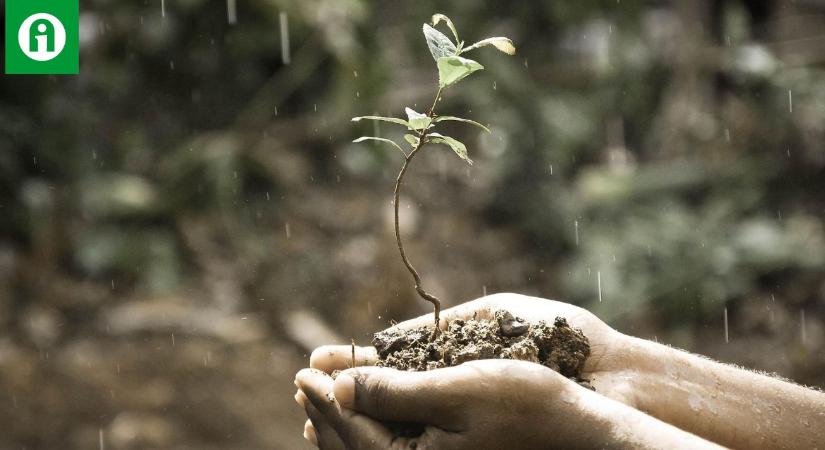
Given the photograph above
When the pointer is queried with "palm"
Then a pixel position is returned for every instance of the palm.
(605, 368)
(601, 336)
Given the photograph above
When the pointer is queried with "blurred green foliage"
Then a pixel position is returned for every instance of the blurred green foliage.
(669, 153)
(673, 154)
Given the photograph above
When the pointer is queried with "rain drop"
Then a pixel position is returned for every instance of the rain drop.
(790, 101)
(284, 23)
(726, 326)
(576, 229)
(231, 12)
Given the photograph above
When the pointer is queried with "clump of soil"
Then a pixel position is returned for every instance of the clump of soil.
(559, 347)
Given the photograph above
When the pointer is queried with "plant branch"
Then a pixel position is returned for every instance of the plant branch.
(435, 102)
(418, 287)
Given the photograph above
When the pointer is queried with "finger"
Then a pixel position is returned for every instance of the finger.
(354, 429)
(476, 309)
(317, 386)
(363, 432)
(326, 436)
(330, 358)
(310, 433)
(301, 398)
(391, 395)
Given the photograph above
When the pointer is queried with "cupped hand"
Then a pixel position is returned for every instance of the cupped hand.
(608, 367)
(478, 404)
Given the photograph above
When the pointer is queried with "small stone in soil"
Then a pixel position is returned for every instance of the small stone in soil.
(509, 325)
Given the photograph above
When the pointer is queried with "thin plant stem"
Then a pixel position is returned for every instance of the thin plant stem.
(418, 287)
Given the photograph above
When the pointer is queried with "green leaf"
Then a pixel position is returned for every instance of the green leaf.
(452, 69)
(460, 119)
(440, 45)
(502, 43)
(383, 119)
(417, 120)
(439, 17)
(413, 140)
(387, 141)
(459, 148)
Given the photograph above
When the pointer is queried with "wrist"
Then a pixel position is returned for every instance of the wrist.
(625, 368)
(594, 421)
(658, 375)
(573, 412)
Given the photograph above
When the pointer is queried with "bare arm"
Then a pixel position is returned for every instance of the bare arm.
(629, 427)
(728, 405)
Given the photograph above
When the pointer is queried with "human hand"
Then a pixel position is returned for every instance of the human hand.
(485, 404)
(478, 404)
(606, 368)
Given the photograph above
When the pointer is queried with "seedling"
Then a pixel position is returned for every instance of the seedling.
(452, 68)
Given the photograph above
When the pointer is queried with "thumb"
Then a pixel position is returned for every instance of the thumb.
(428, 398)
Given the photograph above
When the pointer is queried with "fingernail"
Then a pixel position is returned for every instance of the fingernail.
(309, 432)
(344, 389)
(301, 398)
(311, 437)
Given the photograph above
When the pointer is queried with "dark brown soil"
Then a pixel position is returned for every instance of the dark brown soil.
(559, 347)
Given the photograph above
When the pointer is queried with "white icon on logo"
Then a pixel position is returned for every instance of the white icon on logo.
(41, 37)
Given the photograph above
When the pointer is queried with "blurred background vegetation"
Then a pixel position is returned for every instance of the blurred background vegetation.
(185, 220)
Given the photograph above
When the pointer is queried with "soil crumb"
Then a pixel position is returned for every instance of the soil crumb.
(559, 347)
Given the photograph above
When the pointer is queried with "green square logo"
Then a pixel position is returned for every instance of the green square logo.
(42, 37)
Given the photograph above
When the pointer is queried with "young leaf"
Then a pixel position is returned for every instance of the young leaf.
(452, 69)
(417, 120)
(373, 138)
(439, 17)
(459, 148)
(440, 45)
(413, 140)
(383, 119)
(502, 43)
(460, 119)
